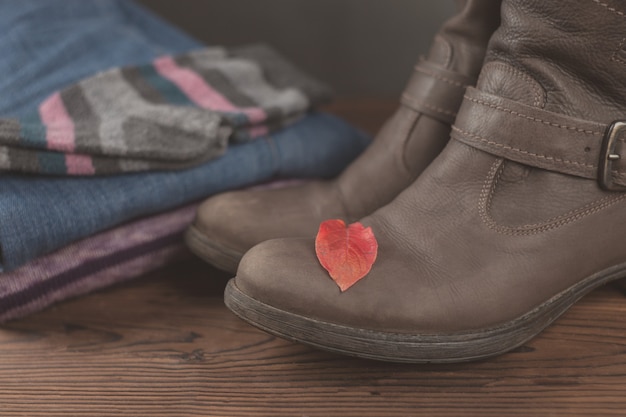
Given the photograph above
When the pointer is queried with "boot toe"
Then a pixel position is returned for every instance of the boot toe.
(281, 288)
(223, 219)
(285, 274)
(217, 235)
(229, 224)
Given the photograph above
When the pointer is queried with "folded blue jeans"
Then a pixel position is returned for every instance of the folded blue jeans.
(46, 45)
(52, 43)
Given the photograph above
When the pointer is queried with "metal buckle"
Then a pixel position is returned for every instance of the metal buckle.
(608, 157)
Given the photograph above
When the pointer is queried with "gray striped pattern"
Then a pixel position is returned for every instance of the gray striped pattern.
(144, 118)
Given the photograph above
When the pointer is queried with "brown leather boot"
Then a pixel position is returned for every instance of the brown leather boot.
(229, 224)
(522, 214)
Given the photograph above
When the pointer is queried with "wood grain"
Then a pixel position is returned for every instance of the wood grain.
(166, 346)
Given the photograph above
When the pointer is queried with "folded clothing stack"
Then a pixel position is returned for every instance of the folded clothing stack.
(124, 119)
(62, 236)
(107, 258)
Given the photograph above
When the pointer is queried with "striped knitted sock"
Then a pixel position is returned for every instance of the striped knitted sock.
(174, 113)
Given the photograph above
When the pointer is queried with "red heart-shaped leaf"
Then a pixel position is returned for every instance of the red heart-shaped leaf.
(347, 253)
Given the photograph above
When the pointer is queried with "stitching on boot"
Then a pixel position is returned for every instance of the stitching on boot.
(538, 91)
(533, 119)
(608, 7)
(486, 198)
(448, 58)
(440, 77)
(418, 103)
(487, 192)
(522, 151)
(615, 57)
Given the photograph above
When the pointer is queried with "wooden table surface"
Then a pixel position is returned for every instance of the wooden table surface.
(165, 345)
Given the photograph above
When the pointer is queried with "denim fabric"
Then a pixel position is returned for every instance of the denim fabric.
(52, 43)
(47, 44)
(40, 215)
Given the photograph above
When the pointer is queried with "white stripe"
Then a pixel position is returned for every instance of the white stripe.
(114, 100)
(107, 94)
(248, 78)
(4, 158)
(133, 165)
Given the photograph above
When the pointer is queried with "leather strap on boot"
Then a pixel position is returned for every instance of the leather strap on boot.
(543, 139)
(435, 91)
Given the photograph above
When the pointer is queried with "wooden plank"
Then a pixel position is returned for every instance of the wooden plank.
(166, 346)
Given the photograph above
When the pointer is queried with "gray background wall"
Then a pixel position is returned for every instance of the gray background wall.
(360, 47)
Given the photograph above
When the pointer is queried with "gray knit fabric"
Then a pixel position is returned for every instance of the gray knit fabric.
(173, 113)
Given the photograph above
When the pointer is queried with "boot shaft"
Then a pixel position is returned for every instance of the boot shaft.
(420, 128)
(460, 44)
(567, 57)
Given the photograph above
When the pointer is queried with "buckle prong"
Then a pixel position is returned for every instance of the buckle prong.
(608, 156)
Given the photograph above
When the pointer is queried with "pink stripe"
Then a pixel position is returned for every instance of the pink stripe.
(59, 125)
(79, 164)
(258, 131)
(201, 93)
(192, 85)
(278, 184)
(255, 114)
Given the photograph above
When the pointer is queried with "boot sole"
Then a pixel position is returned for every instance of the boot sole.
(220, 256)
(411, 348)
